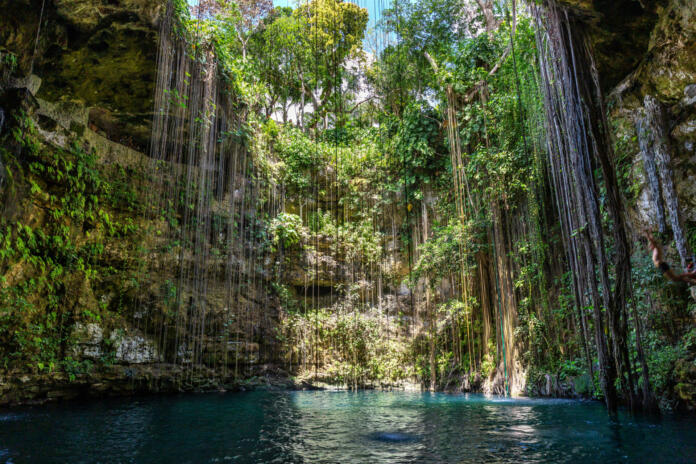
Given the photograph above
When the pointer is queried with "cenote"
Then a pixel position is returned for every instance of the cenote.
(339, 427)
(390, 199)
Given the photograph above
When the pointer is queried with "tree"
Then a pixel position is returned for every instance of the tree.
(432, 26)
(252, 13)
(333, 33)
(244, 17)
(277, 51)
(491, 21)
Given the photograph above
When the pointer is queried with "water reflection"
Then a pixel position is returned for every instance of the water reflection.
(339, 427)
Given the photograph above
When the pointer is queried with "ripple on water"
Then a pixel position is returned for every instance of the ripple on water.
(340, 427)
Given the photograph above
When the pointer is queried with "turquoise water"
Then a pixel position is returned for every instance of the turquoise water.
(339, 427)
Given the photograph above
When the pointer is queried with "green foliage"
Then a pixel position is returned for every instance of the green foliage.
(441, 256)
(392, 156)
(570, 368)
(277, 56)
(625, 149)
(489, 361)
(301, 158)
(418, 155)
(8, 63)
(286, 299)
(76, 368)
(286, 230)
(351, 347)
(47, 262)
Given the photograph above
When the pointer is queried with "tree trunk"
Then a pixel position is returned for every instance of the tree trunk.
(492, 22)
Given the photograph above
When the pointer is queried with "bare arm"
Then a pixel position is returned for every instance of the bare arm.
(655, 249)
(688, 277)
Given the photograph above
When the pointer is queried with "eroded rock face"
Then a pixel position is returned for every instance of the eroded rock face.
(552, 386)
(112, 67)
(667, 72)
(88, 338)
(653, 39)
(126, 346)
(101, 53)
(87, 15)
(671, 62)
(620, 32)
(133, 348)
(656, 59)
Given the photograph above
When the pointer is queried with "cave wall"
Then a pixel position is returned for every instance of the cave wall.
(645, 51)
(666, 71)
(646, 48)
(99, 53)
(87, 86)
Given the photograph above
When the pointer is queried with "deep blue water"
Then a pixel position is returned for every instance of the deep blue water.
(339, 427)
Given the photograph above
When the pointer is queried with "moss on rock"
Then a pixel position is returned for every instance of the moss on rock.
(112, 70)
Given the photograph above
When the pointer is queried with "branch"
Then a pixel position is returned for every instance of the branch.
(495, 69)
(305, 91)
(432, 62)
(500, 62)
(487, 9)
(480, 83)
(355, 107)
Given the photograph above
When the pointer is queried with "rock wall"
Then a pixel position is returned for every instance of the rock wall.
(94, 322)
(648, 48)
(645, 53)
(100, 53)
(666, 73)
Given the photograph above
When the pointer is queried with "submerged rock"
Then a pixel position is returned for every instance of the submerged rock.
(394, 437)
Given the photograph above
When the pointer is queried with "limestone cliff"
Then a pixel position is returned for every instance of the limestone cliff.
(645, 53)
(77, 96)
(83, 303)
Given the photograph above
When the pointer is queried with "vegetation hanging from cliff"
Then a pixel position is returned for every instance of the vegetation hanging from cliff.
(435, 199)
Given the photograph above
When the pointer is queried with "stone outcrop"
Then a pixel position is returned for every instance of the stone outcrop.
(620, 32)
(645, 52)
(553, 386)
(90, 80)
(666, 72)
(101, 53)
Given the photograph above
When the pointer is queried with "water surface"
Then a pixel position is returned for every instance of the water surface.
(339, 427)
